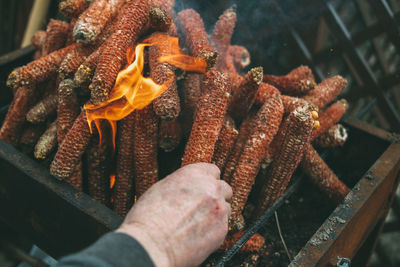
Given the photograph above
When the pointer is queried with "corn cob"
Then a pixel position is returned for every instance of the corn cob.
(233, 158)
(298, 81)
(291, 103)
(56, 35)
(124, 179)
(94, 19)
(263, 131)
(71, 149)
(244, 93)
(240, 56)
(334, 136)
(23, 100)
(73, 60)
(98, 169)
(222, 34)
(208, 119)
(330, 117)
(160, 19)
(225, 143)
(255, 243)
(47, 142)
(39, 70)
(85, 71)
(326, 91)
(42, 110)
(170, 134)
(132, 23)
(167, 105)
(145, 151)
(322, 176)
(192, 27)
(72, 8)
(30, 136)
(264, 92)
(38, 39)
(167, 5)
(191, 95)
(70, 37)
(68, 108)
(297, 130)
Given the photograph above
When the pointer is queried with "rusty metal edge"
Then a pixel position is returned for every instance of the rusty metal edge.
(382, 173)
(68, 193)
(390, 137)
(16, 55)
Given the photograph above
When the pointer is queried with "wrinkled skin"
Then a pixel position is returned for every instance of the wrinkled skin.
(183, 218)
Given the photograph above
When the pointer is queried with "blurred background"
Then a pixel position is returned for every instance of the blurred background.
(358, 39)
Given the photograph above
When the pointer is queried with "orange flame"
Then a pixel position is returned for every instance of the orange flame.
(132, 90)
(112, 181)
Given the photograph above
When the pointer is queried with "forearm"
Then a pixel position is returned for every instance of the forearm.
(113, 249)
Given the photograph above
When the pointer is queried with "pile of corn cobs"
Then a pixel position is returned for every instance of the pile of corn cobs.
(247, 124)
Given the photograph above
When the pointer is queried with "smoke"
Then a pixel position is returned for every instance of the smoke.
(261, 26)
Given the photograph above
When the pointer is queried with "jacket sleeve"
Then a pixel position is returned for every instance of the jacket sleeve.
(112, 249)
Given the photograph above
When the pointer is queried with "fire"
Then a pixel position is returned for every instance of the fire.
(112, 181)
(132, 90)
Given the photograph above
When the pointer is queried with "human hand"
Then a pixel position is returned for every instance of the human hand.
(183, 218)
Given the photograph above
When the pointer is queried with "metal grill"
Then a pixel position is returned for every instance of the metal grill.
(360, 40)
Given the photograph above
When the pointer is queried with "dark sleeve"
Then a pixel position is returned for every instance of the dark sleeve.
(113, 249)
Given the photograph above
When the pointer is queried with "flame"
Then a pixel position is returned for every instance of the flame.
(132, 90)
(112, 181)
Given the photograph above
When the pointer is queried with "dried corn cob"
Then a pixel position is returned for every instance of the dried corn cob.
(170, 134)
(38, 39)
(70, 37)
(298, 81)
(191, 95)
(192, 27)
(233, 158)
(255, 243)
(222, 34)
(30, 136)
(297, 130)
(73, 60)
(68, 108)
(38, 70)
(334, 136)
(47, 142)
(134, 18)
(240, 56)
(124, 179)
(326, 91)
(244, 93)
(167, 105)
(42, 110)
(160, 19)
(291, 103)
(23, 100)
(208, 119)
(226, 140)
(56, 35)
(94, 19)
(71, 149)
(85, 71)
(98, 170)
(145, 152)
(263, 130)
(322, 176)
(330, 117)
(72, 8)
(264, 92)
